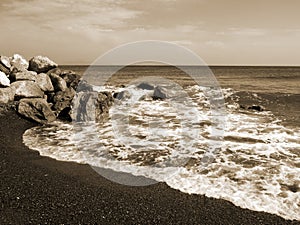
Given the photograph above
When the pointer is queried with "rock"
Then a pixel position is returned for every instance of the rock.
(256, 108)
(44, 82)
(41, 64)
(72, 79)
(103, 104)
(36, 109)
(160, 93)
(27, 89)
(5, 61)
(91, 106)
(145, 86)
(84, 86)
(7, 94)
(24, 75)
(56, 71)
(62, 100)
(4, 81)
(4, 69)
(122, 95)
(18, 63)
(84, 107)
(58, 82)
(146, 97)
(5, 64)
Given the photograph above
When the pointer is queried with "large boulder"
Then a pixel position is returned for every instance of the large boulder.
(7, 94)
(24, 75)
(18, 63)
(27, 89)
(72, 79)
(36, 109)
(4, 81)
(83, 107)
(44, 82)
(58, 82)
(62, 100)
(41, 64)
(91, 106)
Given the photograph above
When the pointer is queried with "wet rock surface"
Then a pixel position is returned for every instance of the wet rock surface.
(91, 106)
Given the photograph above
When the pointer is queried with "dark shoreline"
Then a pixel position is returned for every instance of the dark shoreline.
(40, 190)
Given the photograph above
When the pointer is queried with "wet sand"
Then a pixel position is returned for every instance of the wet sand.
(41, 190)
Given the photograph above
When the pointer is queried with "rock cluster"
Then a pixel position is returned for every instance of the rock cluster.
(44, 92)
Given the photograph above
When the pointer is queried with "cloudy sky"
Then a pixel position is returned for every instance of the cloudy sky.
(221, 32)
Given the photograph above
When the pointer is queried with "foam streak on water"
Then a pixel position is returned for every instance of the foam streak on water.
(256, 166)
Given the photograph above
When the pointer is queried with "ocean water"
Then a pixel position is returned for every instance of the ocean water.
(247, 157)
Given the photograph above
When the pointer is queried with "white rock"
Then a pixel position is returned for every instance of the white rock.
(27, 89)
(4, 81)
(44, 82)
(4, 60)
(41, 64)
(24, 75)
(19, 62)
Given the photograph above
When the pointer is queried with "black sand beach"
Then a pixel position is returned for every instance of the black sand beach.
(41, 190)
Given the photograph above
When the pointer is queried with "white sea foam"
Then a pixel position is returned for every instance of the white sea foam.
(255, 166)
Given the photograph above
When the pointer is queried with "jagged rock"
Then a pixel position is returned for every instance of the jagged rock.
(36, 109)
(91, 106)
(4, 81)
(24, 75)
(160, 93)
(145, 86)
(84, 86)
(44, 82)
(122, 95)
(18, 63)
(7, 94)
(58, 82)
(72, 79)
(27, 89)
(41, 64)
(62, 100)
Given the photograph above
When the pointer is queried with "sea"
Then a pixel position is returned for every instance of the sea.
(233, 132)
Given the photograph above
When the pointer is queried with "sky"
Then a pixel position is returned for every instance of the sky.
(221, 32)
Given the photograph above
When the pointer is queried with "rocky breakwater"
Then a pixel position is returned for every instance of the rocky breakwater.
(42, 92)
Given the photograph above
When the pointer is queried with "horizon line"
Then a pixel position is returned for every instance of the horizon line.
(213, 65)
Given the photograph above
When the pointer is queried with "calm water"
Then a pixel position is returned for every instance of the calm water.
(247, 157)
